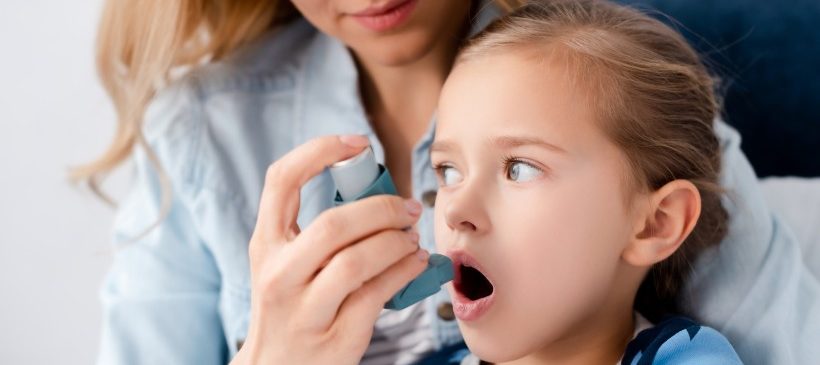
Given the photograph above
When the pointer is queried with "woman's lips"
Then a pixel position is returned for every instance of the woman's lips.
(385, 17)
(465, 308)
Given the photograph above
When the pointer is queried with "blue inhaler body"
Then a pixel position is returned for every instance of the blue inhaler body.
(360, 177)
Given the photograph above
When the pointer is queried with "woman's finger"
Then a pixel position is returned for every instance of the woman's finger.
(365, 304)
(339, 227)
(279, 204)
(349, 269)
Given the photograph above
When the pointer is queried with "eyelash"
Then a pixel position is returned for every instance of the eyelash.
(439, 168)
(508, 160)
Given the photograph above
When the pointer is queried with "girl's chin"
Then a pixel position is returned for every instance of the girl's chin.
(491, 351)
(496, 338)
(491, 342)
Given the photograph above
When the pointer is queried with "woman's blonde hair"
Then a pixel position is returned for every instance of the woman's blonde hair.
(654, 98)
(141, 43)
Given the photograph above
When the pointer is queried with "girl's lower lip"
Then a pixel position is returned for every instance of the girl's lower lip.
(467, 310)
(387, 20)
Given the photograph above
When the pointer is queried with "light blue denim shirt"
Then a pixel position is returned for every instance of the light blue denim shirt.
(181, 294)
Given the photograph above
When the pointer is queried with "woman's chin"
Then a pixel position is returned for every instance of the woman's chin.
(393, 53)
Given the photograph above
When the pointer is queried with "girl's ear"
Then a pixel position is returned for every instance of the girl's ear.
(669, 218)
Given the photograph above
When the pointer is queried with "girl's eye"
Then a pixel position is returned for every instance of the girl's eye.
(519, 171)
(448, 175)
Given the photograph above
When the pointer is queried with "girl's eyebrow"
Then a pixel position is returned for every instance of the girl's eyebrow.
(517, 141)
(504, 142)
(442, 146)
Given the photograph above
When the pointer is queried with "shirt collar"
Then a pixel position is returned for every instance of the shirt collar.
(487, 12)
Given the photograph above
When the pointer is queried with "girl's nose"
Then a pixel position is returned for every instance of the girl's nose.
(465, 211)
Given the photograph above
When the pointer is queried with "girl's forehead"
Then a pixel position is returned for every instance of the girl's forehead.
(507, 94)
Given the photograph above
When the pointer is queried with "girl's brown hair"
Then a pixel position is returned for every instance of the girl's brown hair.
(655, 100)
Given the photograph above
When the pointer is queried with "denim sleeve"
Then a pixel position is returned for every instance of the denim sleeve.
(161, 296)
(754, 287)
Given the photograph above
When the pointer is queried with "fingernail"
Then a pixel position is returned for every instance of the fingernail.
(414, 237)
(413, 207)
(355, 140)
(422, 254)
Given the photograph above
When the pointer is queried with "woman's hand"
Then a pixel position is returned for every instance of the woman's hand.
(316, 294)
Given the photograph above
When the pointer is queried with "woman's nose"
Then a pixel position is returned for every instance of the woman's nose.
(465, 211)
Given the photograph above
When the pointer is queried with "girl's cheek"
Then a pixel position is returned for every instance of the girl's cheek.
(439, 224)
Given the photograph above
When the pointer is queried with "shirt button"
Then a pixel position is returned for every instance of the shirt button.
(445, 311)
(429, 198)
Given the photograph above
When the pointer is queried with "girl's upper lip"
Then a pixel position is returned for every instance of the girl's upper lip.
(380, 9)
(461, 257)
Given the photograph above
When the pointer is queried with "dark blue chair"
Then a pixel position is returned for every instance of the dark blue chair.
(767, 54)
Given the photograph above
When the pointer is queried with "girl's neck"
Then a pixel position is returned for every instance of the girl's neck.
(599, 340)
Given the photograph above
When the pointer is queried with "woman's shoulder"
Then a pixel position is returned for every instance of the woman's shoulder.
(221, 123)
(679, 340)
(266, 64)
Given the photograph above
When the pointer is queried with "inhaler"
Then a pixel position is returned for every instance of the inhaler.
(360, 177)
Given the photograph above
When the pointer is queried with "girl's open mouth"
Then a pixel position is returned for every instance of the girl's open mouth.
(473, 289)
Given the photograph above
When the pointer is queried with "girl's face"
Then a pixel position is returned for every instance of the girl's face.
(531, 194)
(388, 32)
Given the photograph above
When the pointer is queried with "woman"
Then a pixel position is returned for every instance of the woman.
(208, 95)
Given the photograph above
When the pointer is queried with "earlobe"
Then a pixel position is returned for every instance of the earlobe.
(671, 214)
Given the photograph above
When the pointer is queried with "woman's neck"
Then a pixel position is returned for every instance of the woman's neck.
(404, 92)
(401, 99)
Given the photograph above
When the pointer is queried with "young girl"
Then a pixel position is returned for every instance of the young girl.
(577, 166)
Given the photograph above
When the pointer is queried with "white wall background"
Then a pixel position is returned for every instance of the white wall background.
(53, 237)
